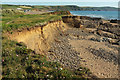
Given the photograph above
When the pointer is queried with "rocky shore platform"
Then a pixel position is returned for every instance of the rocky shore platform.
(89, 42)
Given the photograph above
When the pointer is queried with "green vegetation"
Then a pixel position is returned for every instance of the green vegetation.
(20, 62)
(10, 6)
(12, 19)
(77, 8)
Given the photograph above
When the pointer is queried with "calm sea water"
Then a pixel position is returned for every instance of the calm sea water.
(101, 14)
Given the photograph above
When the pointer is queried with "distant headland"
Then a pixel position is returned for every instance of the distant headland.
(60, 8)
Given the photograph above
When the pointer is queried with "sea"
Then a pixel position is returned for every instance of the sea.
(108, 15)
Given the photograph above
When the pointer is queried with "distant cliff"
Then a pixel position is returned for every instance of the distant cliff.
(77, 8)
(60, 8)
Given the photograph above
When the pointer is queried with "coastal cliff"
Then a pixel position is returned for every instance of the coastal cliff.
(101, 27)
(40, 43)
(75, 41)
(39, 38)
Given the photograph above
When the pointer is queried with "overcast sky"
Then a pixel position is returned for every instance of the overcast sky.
(60, 0)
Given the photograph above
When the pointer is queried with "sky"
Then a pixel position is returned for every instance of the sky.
(90, 3)
(60, 0)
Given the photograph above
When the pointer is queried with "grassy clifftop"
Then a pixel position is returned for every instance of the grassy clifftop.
(12, 19)
(20, 62)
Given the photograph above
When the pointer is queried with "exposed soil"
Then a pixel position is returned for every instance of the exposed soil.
(76, 47)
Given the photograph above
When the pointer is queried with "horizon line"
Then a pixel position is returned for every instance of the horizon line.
(65, 1)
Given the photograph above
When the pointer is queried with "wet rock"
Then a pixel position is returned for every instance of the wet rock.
(107, 56)
(115, 21)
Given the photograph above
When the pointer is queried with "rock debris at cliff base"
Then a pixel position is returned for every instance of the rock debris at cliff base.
(76, 47)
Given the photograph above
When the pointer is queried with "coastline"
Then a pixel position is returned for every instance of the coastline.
(106, 15)
(76, 42)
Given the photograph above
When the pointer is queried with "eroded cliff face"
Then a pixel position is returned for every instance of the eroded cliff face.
(99, 25)
(39, 38)
(80, 21)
